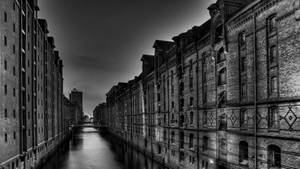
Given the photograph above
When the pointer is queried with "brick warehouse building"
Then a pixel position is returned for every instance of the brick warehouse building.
(221, 95)
(31, 119)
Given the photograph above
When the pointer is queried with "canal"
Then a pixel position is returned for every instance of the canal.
(88, 149)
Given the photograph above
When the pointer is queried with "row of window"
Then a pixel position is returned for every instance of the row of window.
(14, 136)
(6, 91)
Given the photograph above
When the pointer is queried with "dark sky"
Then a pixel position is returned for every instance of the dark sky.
(101, 41)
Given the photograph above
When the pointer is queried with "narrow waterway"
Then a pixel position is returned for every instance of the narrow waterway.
(88, 149)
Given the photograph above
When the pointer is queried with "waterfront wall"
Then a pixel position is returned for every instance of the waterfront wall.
(224, 94)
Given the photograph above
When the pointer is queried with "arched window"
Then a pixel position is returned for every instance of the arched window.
(274, 157)
(271, 23)
(243, 153)
(221, 55)
(222, 76)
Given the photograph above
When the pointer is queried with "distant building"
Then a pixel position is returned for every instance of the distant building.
(77, 98)
(100, 116)
(72, 112)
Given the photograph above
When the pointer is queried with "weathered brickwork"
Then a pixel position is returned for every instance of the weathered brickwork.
(31, 118)
(221, 95)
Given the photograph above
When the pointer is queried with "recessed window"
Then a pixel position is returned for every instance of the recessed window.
(274, 85)
(14, 113)
(222, 76)
(5, 41)
(204, 119)
(272, 24)
(244, 90)
(14, 71)
(243, 153)
(273, 54)
(14, 92)
(14, 27)
(205, 143)
(5, 17)
(191, 101)
(5, 137)
(191, 140)
(221, 55)
(5, 89)
(243, 64)
(242, 40)
(274, 157)
(15, 135)
(5, 113)
(243, 117)
(191, 117)
(5, 64)
(14, 49)
(273, 118)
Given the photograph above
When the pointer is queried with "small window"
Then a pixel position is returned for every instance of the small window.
(181, 140)
(205, 143)
(172, 137)
(5, 113)
(243, 153)
(172, 104)
(242, 40)
(5, 137)
(274, 85)
(14, 92)
(5, 41)
(204, 118)
(5, 65)
(191, 140)
(5, 89)
(191, 101)
(191, 117)
(15, 135)
(14, 71)
(243, 64)
(272, 24)
(273, 54)
(5, 17)
(222, 76)
(243, 117)
(273, 118)
(14, 49)
(221, 55)
(274, 157)
(14, 27)
(244, 90)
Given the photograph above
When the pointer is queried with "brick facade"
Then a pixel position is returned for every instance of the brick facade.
(221, 95)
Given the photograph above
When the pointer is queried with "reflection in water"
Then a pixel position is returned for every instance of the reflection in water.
(88, 149)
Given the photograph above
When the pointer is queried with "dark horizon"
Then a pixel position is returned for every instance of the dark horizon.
(101, 42)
